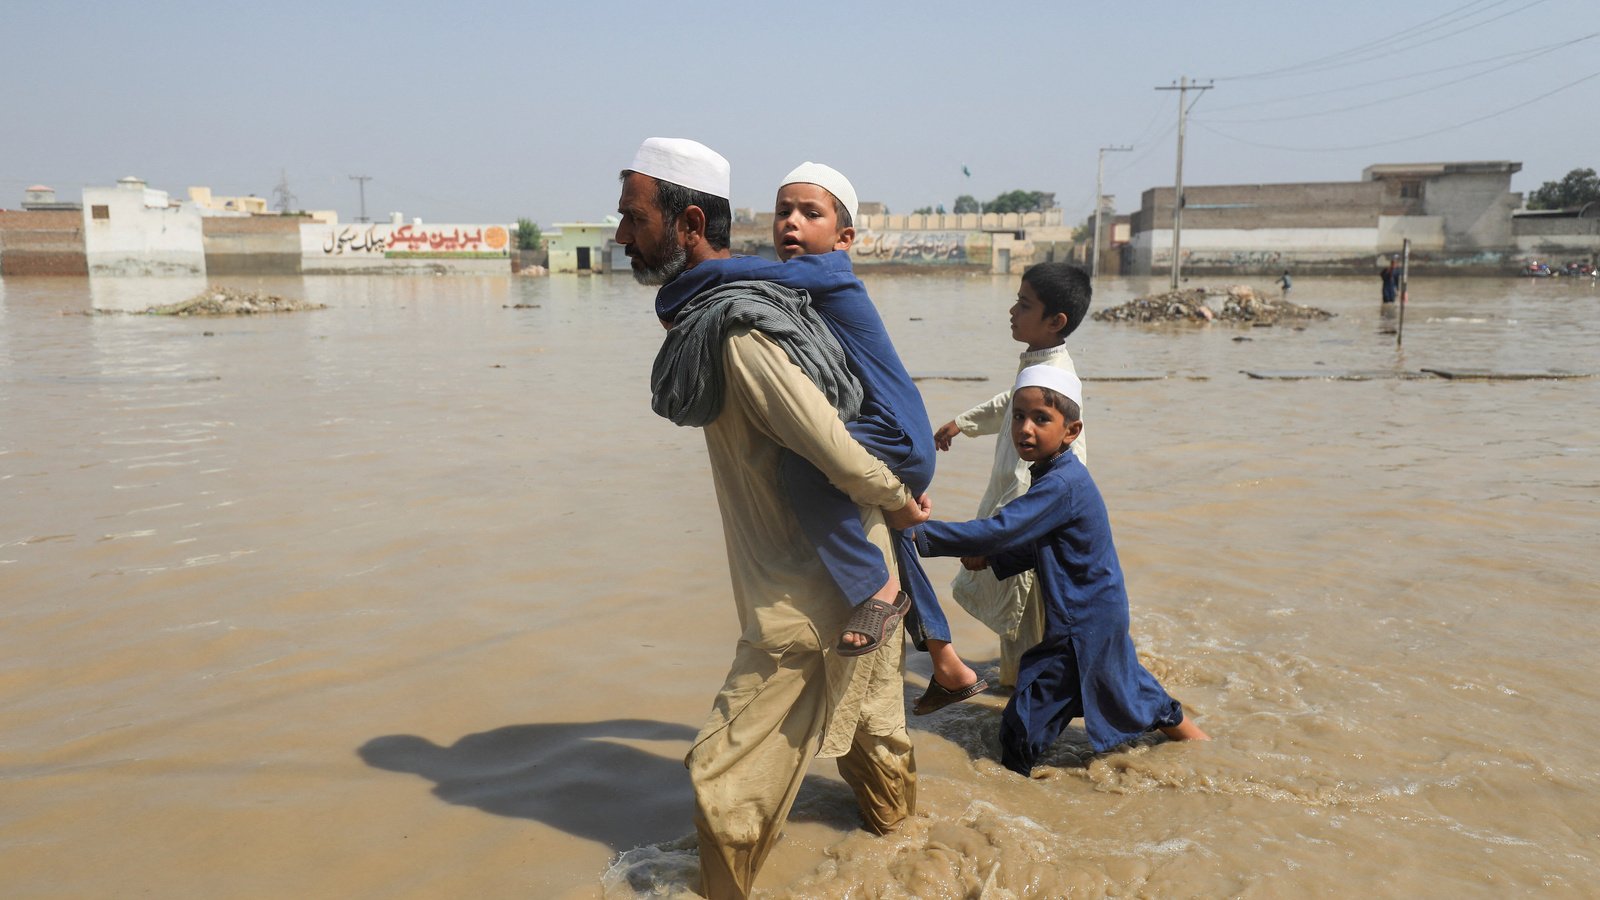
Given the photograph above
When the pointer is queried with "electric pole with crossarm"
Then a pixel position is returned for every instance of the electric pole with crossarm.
(1099, 202)
(1183, 87)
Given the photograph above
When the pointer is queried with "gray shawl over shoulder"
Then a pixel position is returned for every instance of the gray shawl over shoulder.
(687, 379)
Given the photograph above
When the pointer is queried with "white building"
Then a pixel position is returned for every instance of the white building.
(131, 229)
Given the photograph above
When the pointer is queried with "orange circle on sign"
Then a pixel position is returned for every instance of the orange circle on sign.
(495, 237)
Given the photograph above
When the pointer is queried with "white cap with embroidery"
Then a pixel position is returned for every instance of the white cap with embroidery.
(831, 180)
(1059, 380)
(683, 162)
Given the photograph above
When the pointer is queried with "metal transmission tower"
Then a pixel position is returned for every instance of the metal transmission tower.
(362, 181)
(1183, 87)
(1099, 203)
(282, 199)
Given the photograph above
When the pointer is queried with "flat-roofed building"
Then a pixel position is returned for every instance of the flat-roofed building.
(1457, 216)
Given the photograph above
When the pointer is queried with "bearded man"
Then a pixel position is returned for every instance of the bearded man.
(789, 695)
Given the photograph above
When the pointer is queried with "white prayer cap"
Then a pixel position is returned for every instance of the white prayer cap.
(1059, 380)
(828, 178)
(683, 162)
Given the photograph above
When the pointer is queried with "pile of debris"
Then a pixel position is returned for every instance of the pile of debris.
(1172, 306)
(221, 301)
(1244, 304)
(1240, 303)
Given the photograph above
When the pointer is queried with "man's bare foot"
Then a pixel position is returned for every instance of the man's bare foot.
(1186, 730)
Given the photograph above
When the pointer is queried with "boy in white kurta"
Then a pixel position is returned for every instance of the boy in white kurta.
(1052, 302)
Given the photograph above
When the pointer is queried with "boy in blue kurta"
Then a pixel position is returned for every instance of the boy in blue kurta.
(1086, 665)
(813, 229)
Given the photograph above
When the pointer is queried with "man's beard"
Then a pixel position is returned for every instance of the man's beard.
(671, 267)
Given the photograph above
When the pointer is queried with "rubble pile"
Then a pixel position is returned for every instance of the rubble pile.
(1240, 303)
(1243, 304)
(1172, 306)
(221, 301)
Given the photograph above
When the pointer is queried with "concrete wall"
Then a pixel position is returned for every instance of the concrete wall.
(133, 230)
(922, 248)
(1426, 234)
(255, 245)
(42, 243)
(952, 222)
(400, 249)
(1344, 204)
(1475, 208)
(1557, 238)
(1258, 251)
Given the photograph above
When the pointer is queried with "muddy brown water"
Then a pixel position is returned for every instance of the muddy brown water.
(414, 597)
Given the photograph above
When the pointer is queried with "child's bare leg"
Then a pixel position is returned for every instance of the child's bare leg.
(948, 669)
(1186, 730)
(887, 593)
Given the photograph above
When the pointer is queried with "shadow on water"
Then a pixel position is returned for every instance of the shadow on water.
(574, 776)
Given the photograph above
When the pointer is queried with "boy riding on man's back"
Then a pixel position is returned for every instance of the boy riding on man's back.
(815, 213)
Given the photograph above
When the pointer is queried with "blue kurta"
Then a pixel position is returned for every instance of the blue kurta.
(1086, 666)
(893, 424)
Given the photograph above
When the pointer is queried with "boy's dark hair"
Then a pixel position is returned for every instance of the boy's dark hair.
(673, 199)
(1062, 288)
(1065, 405)
(842, 214)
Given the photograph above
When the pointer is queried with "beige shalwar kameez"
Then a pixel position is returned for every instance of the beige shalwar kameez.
(789, 696)
(1010, 607)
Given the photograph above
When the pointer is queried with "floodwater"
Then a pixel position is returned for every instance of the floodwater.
(414, 597)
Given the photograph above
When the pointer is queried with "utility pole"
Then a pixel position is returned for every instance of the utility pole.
(363, 179)
(1099, 197)
(1183, 87)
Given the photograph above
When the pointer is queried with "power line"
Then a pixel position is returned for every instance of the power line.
(1515, 107)
(1393, 78)
(1154, 118)
(1359, 48)
(1391, 99)
(1394, 43)
(1378, 55)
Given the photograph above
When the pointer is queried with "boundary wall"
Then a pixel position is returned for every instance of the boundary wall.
(42, 243)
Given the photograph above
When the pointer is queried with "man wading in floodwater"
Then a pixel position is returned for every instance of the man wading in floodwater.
(789, 695)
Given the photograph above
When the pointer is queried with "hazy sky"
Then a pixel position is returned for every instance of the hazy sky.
(485, 112)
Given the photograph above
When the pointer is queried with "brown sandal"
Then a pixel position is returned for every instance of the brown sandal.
(875, 619)
(937, 696)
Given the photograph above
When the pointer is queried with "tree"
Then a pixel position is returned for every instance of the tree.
(1580, 186)
(1009, 202)
(528, 236)
(1020, 202)
(922, 211)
